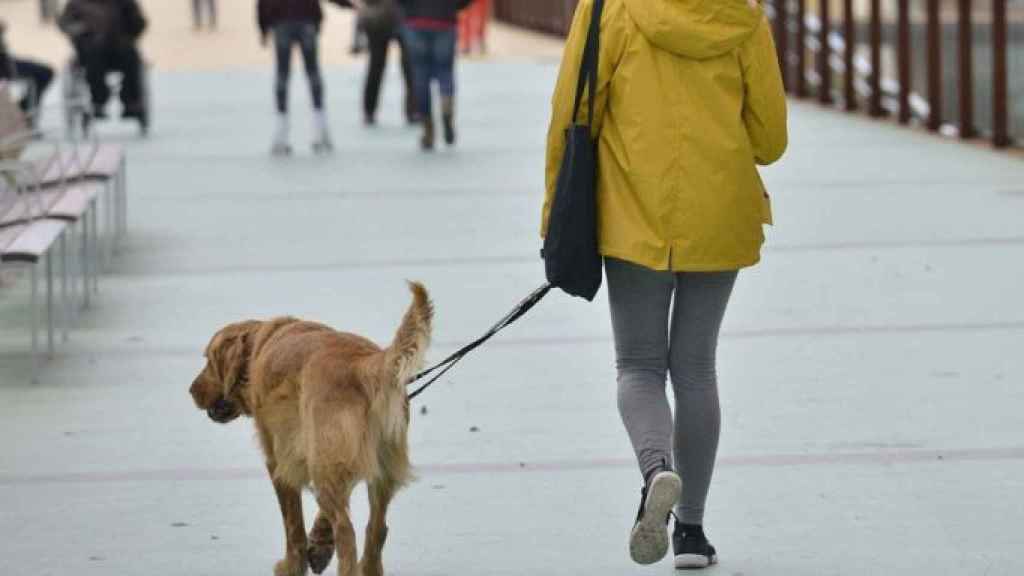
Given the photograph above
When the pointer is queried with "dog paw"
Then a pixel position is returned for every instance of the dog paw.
(290, 566)
(319, 557)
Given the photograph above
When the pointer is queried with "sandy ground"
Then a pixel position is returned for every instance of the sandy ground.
(172, 44)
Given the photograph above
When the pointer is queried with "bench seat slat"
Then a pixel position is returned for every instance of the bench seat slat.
(29, 207)
(105, 164)
(33, 241)
(74, 202)
(9, 234)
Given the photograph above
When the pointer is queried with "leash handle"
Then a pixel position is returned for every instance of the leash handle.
(445, 365)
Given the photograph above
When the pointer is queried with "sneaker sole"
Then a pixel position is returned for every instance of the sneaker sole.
(694, 561)
(648, 542)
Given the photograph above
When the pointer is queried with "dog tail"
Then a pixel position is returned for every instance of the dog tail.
(406, 355)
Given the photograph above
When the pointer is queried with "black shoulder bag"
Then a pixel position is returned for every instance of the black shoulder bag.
(571, 258)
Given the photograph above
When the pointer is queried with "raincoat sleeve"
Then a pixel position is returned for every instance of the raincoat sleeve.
(764, 104)
(613, 39)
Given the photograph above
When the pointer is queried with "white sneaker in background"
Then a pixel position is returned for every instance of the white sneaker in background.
(321, 133)
(281, 147)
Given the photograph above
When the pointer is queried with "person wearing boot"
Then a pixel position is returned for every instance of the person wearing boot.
(295, 22)
(430, 36)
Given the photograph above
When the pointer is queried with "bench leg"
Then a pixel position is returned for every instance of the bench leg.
(95, 251)
(85, 263)
(122, 189)
(110, 217)
(35, 324)
(49, 304)
(64, 299)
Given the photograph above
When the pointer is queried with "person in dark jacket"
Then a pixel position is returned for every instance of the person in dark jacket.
(105, 34)
(430, 35)
(295, 22)
(381, 21)
(39, 75)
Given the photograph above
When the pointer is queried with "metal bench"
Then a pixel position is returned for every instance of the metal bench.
(36, 216)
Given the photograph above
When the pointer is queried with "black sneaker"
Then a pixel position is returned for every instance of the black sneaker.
(648, 541)
(691, 547)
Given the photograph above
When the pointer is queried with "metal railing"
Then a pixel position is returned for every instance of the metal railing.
(866, 55)
(824, 42)
(551, 16)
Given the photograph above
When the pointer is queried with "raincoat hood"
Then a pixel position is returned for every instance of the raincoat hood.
(696, 29)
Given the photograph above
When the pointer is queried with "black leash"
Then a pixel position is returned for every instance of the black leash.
(445, 365)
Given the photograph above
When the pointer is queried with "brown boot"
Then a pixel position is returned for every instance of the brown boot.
(448, 118)
(427, 140)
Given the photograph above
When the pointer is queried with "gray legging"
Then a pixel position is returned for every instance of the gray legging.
(650, 343)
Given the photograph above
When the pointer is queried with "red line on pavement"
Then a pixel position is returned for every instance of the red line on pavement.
(888, 457)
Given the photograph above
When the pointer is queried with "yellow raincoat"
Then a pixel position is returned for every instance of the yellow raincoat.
(689, 100)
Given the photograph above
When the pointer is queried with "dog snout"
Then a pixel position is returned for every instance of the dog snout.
(221, 411)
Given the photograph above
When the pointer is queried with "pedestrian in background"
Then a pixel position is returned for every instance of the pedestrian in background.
(473, 27)
(106, 35)
(48, 10)
(295, 23)
(430, 36)
(37, 74)
(381, 21)
(211, 14)
(689, 100)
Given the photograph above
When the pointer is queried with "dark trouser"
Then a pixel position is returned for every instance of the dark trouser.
(123, 58)
(40, 75)
(305, 34)
(380, 40)
(211, 13)
(433, 58)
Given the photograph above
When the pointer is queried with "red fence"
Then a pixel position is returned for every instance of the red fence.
(942, 64)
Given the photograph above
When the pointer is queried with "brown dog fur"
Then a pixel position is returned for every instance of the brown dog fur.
(331, 411)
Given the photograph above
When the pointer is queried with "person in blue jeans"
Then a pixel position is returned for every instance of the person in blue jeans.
(430, 36)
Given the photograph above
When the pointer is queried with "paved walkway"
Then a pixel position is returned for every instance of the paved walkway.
(871, 369)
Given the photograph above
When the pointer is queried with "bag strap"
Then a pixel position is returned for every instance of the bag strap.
(588, 67)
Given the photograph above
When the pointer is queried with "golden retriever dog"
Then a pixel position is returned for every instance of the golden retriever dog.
(331, 411)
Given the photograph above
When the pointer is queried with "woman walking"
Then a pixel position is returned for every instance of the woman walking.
(689, 100)
(430, 36)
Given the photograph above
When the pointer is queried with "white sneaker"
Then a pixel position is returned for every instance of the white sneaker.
(322, 140)
(648, 541)
(280, 146)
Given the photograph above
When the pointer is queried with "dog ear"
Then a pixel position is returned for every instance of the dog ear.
(234, 354)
